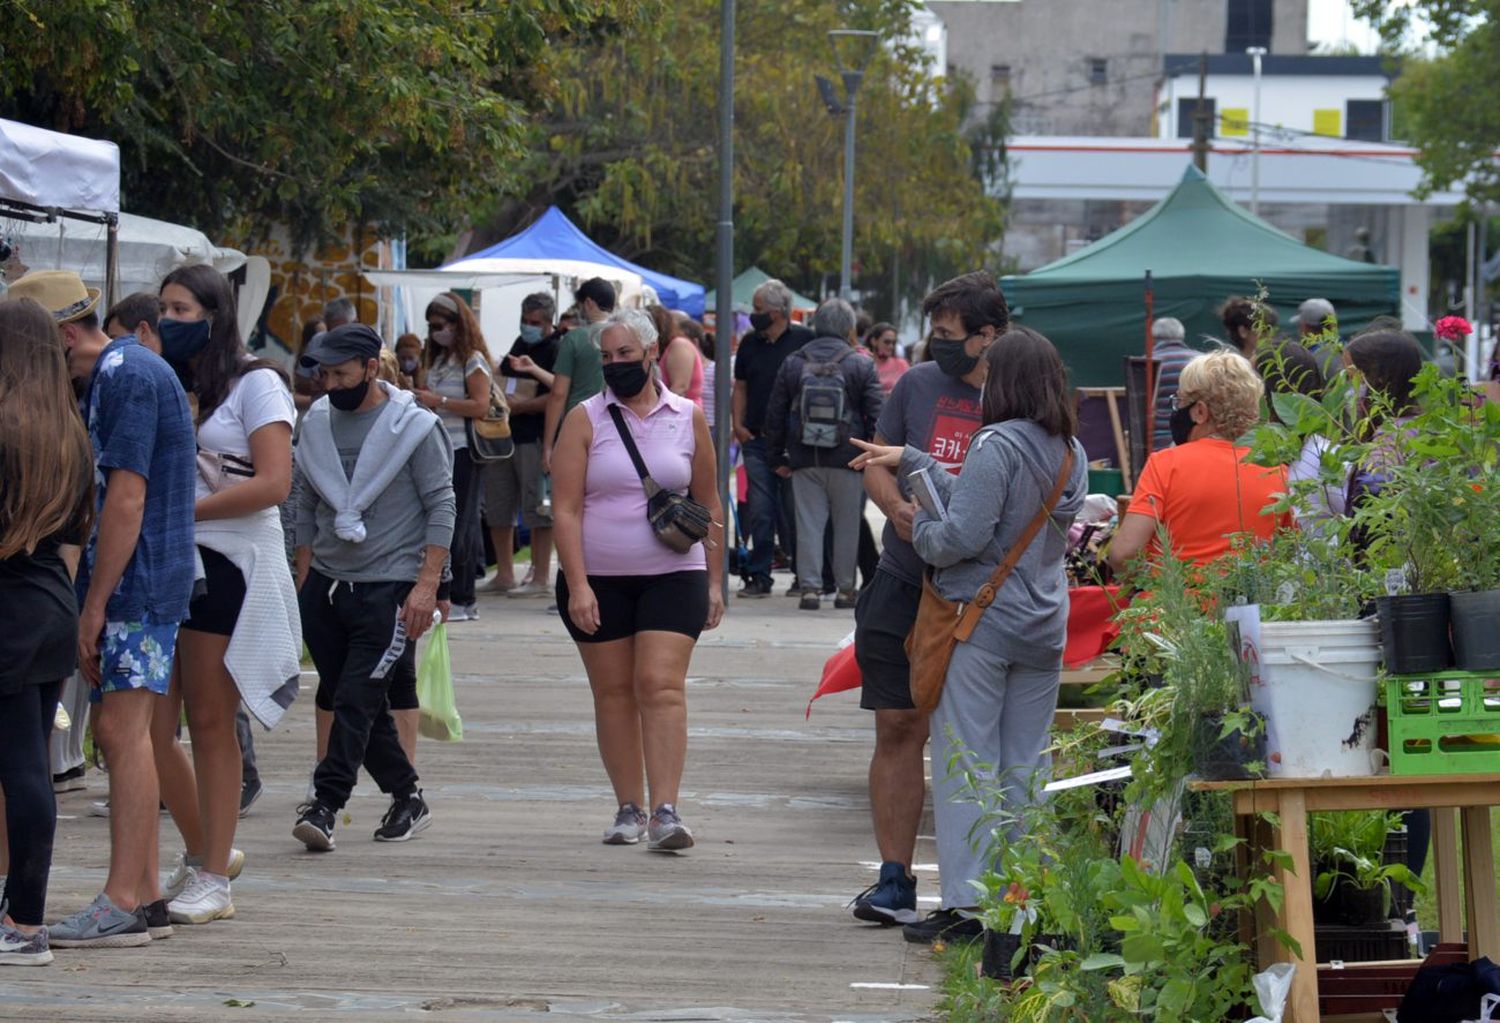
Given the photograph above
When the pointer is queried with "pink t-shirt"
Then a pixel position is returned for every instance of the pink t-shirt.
(889, 371)
(694, 392)
(617, 539)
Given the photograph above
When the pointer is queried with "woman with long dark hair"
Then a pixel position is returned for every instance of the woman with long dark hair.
(456, 367)
(242, 639)
(1002, 684)
(46, 512)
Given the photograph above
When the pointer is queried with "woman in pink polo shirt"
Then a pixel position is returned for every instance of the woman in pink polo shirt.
(634, 606)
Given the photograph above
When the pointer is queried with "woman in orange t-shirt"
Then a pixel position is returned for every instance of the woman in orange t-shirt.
(1203, 490)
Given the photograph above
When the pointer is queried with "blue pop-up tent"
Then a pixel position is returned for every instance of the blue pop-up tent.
(554, 236)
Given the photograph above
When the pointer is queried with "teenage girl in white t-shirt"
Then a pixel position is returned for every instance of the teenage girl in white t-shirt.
(244, 414)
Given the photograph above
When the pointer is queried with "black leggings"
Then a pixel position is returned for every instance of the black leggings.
(30, 807)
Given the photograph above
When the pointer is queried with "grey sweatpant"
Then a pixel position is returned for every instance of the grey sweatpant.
(818, 494)
(994, 721)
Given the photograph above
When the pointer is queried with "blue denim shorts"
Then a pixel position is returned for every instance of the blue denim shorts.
(135, 655)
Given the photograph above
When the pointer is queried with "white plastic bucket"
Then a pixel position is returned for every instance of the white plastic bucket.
(1316, 688)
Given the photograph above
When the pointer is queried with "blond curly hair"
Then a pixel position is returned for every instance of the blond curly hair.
(1229, 388)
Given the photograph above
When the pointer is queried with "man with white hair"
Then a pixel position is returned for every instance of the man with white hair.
(1318, 330)
(825, 394)
(1171, 353)
(774, 337)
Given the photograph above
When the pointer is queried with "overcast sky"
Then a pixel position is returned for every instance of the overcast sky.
(1332, 21)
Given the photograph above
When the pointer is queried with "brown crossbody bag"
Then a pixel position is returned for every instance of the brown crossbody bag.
(942, 624)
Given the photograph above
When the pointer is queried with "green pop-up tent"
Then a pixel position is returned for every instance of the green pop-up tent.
(744, 288)
(1200, 248)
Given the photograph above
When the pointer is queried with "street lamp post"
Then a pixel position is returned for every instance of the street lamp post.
(852, 50)
(1256, 53)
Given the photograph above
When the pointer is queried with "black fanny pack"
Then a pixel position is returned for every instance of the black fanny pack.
(677, 520)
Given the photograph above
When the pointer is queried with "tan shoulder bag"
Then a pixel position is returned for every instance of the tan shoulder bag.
(942, 623)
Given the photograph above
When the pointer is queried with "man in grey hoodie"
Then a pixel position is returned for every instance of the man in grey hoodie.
(374, 520)
(807, 441)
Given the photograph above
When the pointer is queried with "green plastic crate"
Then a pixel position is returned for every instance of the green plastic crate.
(1446, 722)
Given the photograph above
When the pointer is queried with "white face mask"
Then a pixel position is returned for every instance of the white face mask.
(443, 337)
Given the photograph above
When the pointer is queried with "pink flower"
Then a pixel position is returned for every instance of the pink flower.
(1452, 328)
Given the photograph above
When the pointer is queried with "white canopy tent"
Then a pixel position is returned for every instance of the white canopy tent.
(47, 169)
(502, 283)
(46, 176)
(148, 249)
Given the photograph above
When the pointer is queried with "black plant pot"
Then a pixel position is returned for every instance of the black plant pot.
(1476, 630)
(998, 954)
(1414, 633)
(1229, 758)
(1354, 907)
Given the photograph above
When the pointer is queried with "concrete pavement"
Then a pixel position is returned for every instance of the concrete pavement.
(509, 907)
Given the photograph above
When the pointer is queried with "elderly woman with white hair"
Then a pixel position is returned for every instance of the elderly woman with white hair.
(634, 605)
(1205, 491)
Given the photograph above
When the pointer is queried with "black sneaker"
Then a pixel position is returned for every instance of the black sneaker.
(756, 588)
(943, 925)
(158, 920)
(70, 780)
(404, 819)
(249, 792)
(314, 828)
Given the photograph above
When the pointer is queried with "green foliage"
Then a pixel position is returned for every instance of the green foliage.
(317, 113)
(1449, 104)
(1347, 847)
(629, 143)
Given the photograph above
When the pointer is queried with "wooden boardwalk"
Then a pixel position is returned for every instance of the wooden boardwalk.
(509, 907)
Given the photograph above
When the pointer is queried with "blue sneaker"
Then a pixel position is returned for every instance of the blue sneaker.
(891, 900)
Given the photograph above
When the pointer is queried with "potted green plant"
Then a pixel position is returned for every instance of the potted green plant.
(1351, 884)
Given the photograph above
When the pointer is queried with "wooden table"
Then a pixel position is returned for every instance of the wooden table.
(1465, 797)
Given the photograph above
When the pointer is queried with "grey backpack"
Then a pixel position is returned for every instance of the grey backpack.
(822, 404)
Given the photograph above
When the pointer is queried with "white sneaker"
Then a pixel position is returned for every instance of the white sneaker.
(529, 589)
(201, 902)
(183, 876)
(186, 873)
(458, 613)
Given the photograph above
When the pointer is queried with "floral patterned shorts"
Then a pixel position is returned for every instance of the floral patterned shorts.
(136, 655)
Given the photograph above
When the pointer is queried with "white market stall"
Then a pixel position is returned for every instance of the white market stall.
(501, 283)
(47, 176)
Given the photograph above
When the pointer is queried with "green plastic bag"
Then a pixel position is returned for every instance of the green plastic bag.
(439, 718)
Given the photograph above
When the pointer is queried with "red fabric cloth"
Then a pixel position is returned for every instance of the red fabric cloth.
(1091, 629)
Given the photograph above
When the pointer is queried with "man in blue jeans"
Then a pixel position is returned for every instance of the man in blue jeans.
(756, 364)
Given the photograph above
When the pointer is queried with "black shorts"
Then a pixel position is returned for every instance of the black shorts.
(217, 609)
(674, 602)
(886, 611)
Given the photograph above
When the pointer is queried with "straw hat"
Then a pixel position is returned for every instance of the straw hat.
(60, 292)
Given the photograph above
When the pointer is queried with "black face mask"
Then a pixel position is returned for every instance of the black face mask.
(760, 321)
(347, 399)
(182, 340)
(625, 379)
(950, 356)
(1182, 424)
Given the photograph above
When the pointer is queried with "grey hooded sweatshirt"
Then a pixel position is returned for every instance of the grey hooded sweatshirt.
(1009, 471)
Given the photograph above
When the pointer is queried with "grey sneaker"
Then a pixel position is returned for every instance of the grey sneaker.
(101, 924)
(667, 832)
(17, 949)
(629, 826)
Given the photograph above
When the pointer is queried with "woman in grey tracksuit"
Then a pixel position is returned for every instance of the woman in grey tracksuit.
(1001, 689)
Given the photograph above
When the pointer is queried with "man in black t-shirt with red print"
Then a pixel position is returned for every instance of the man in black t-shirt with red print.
(935, 406)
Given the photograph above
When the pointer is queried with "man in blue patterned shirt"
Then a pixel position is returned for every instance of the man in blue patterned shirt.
(134, 584)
